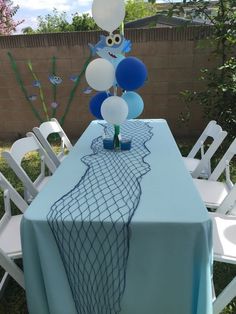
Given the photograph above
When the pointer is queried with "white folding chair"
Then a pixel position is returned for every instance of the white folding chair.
(44, 130)
(217, 195)
(202, 167)
(10, 243)
(224, 248)
(14, 159)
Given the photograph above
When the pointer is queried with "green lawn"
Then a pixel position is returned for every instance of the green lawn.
(13, 300)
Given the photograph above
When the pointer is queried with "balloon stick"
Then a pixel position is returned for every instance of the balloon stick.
(122, 28)
(115, 90)
(116, 137)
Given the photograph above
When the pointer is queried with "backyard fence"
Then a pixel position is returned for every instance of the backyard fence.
(173, 56)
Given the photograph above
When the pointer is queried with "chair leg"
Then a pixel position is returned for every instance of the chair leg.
(3, 283)
(225, 297)
(27, 197)
(12, 268)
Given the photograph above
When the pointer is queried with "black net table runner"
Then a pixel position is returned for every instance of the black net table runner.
(91, 222)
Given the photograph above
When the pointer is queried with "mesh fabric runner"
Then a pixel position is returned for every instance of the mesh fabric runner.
(91, 222)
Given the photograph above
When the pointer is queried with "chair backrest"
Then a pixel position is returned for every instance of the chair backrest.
(229, 203)
(11, 194)
(44, 130)
(14, 158)
(228, 206)
(223, 165)
(10, 246)
(214, 131)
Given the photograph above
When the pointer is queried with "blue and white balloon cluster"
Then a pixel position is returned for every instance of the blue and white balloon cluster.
(113, 69)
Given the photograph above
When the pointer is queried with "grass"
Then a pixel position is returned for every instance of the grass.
(13, 300)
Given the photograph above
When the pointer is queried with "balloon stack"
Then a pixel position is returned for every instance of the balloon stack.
(113, 70)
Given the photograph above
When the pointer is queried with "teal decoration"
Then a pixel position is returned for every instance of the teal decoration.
(87, 90)
(54, 105)
(74, 78)
(22, 86)
(72, 93)
(135, 104)
(55, 80)
(32, 97)
(54, 88)
(36, 83)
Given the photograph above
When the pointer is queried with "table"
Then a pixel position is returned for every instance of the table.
(169, 263)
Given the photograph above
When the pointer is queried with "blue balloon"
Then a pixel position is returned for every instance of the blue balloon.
(135, 104)
(131, 73)
(96, 103)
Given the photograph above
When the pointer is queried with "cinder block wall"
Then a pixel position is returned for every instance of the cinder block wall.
(172, 56)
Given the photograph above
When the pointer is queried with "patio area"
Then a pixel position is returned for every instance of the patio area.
(30, 95)
(13, 300)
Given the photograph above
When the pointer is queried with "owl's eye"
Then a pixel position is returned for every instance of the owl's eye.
(109, 41)
(117, 39)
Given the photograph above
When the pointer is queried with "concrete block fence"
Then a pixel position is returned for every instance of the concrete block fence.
(172, 56)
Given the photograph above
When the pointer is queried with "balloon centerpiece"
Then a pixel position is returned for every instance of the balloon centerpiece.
(113, 70)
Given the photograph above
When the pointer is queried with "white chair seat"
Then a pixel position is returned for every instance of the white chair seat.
(212, 192)
(61, 157)
(224, 237)
(10, 237)
(42, 183)
(191, 163)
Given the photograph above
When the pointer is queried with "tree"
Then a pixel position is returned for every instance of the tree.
(83, 22)
(219, 97)
(57, 21)
(52, 23)
(7, 23)
(27, 30)
(137, 9)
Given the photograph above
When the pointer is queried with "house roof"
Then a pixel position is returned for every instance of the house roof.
(162, 20)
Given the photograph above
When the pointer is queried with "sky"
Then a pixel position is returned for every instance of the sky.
(30, 9)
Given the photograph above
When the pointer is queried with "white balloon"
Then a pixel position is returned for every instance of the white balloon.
(114, 110)
(100, 74)
(108, 14)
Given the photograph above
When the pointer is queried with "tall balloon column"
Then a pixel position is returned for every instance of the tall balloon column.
(112, 70)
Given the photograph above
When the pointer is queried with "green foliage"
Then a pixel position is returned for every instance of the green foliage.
(219, 97)
(83, 22)
(137, 9)
(57, 21)
(27, 30)
(52, 23)
(45, 106)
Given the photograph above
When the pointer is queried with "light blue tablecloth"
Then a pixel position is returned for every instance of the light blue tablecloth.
(170, 256)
